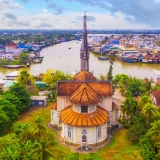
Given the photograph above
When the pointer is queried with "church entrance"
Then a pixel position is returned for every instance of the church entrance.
(84, 138)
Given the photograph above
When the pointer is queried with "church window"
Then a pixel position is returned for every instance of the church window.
(99, 132)
(84, 138)
(84, 109)
(84, 131)
(69, 132)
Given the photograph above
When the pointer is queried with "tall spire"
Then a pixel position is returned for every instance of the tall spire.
(84, 54)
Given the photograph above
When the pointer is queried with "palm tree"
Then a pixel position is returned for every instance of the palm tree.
(39, 129)
(129, 107)
(41, 150)
(154, 133)
(149, 112)
(143, 101)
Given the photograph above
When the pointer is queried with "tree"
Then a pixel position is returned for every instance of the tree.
(149, 112)
(39, 129)
(41, 150)
(9, 109)
(144, 100)
(137, 128)
(154, 134)
(25, 78)
(48, 77)
(24, 58)
(22, 94)
(129, 108)
(147, 151)
(111, 60)
(4, 121)
(4, 62)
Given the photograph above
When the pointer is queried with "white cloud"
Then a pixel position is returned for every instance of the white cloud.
(45, 10)
(9, 5)
(68, 21)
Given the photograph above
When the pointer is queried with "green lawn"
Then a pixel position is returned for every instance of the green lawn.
(119, 149)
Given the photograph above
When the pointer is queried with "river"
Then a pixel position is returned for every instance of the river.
(60, 57)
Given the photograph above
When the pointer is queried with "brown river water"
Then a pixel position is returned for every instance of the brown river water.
(60, 57)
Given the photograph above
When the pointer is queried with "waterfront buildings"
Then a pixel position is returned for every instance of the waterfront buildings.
(84, 109)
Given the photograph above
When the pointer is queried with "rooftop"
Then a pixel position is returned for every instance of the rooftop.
(97, 118)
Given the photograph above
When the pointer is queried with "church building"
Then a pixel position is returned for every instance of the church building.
(84, 109)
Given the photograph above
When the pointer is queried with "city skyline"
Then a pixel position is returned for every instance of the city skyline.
(68, 14)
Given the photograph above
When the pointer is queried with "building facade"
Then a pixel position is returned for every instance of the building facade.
(84, 109)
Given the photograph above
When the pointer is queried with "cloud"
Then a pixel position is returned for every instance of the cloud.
(142, 11)
(9, 5)
(75, 22)
(89, 18)
(56, 8)
(10, 16)
(25, 1)
(45, 10)
(44, 25)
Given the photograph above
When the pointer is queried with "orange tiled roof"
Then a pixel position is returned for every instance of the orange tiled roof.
(66, 88)
(84, 75)
(84, 95)
(54, 106)
(97, 118)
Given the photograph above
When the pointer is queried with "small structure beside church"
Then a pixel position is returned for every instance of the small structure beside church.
(39, 101)
(84, 109)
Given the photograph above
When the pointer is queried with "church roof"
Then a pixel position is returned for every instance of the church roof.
(54, 106)
(97, 118)
(84, 95)
(84, 75)
(66, 88)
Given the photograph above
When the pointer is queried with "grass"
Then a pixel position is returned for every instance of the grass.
(120, 147)
(29, 117)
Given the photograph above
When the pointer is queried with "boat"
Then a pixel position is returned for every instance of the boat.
(14, 66)
(103, 58)
(69, 48)
(37, 61)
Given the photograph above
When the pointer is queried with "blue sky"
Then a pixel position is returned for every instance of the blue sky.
(67, 14)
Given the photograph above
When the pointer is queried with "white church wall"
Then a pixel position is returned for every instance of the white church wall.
(54, 116)
(76, 134)
(106, 103)
(62, 102)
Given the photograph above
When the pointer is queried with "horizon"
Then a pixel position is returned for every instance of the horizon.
(68, 14)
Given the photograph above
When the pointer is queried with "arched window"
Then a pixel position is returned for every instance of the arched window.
(84, 138)
(69, 132)
(99, 132)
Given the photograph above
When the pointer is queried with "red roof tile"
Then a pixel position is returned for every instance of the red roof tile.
(84, 95)
(84, 75)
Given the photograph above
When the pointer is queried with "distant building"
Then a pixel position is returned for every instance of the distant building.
(12, 47)
(155, 77)
(155, 97)
(12, 75)
(7, 55)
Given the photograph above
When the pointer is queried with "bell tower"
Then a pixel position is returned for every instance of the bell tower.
(84, 54)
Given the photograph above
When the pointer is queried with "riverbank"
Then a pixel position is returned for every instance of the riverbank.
(59, 57)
